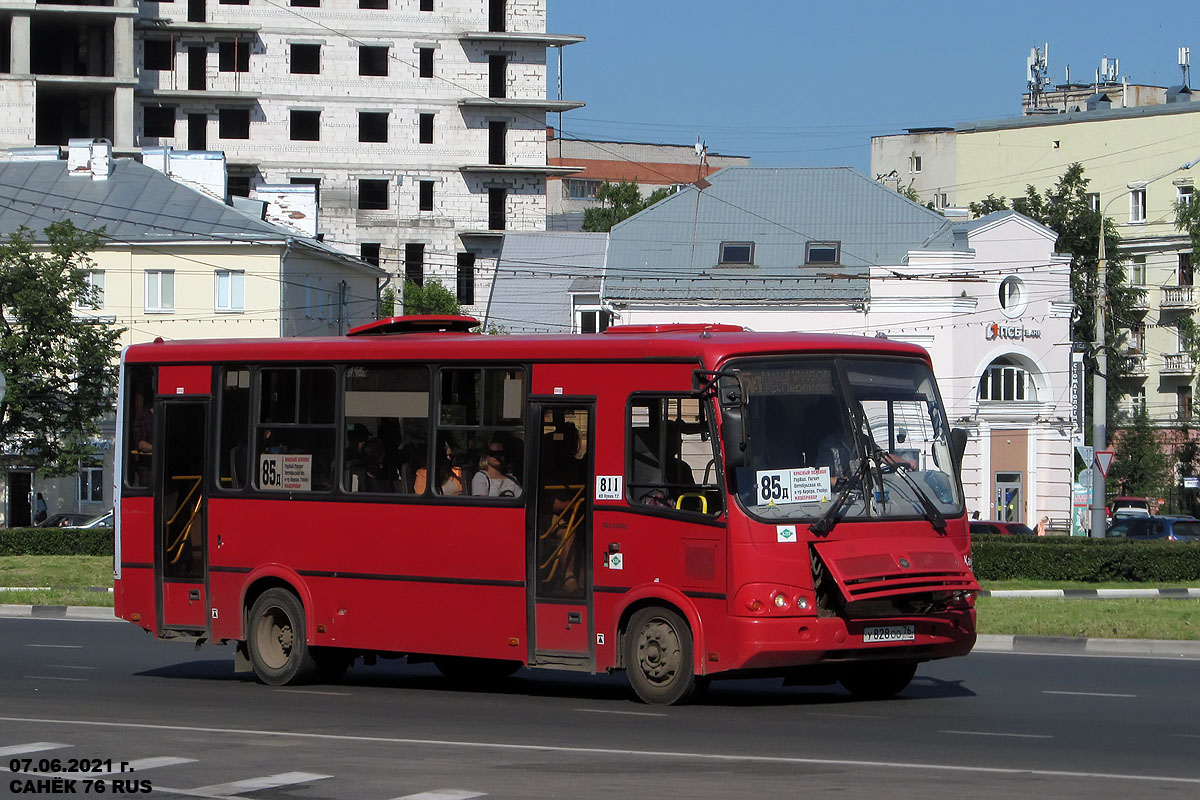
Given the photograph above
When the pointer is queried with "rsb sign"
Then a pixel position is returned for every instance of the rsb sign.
(1018, 333)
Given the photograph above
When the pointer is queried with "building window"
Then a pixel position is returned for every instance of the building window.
(1137, 271)
(233, 123)
(94, 278)
(414, 264)
(316, 182)
(160, 290)
(427, 5)
(497, 136)
(466, 279)
(373, 60)
(1093, 199)
(1004, 381)
(306, 59)
(1137, 401)
(372, 194)
(1137, 205)
(238, 185)
(425, 195)
(233, 56)
(91, 485)
(582, 189)
(592, 320)
(736, 253)
(373, 4)
(1185, 269)
(372, 126)
(496, 16)
(1183, 402)
(306, 3)
(914, 164)
(226, 2)
(369, 252)
(306, 126)
(157, 54)
(822, 252)
(1183, 194)
(1137, 338)
(497, 76)
(497, 200)
(158, 122)
(231, 290)
(425, 128)
(425, 58)
(1013, 297)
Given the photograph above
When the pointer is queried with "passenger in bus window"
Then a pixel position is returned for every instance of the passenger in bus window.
(833, 450)
(449, 477)
(369, 473)
(494, 478)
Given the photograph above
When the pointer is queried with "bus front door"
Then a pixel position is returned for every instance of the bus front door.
(560, 536)
(180, 547)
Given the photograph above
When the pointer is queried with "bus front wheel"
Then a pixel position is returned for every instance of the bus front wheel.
(878, 680)
(659, 657)
(275, 638)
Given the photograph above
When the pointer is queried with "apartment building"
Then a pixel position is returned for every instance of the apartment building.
(421, 123)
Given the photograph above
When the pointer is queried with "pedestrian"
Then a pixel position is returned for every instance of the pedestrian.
(1041, 526)
(40, 510)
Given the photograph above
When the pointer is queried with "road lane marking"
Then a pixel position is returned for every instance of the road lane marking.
(999, 733)
(32, 747)
(257, 784)
(313, 691)
(443, 794)
(626, 713)
(1089, 694)
(68, 666)
(60, 646)
(51, 678)
(727, 758)
(127, 767)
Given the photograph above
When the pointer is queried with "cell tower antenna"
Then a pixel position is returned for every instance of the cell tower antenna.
(1185, 64)
(1037, 73)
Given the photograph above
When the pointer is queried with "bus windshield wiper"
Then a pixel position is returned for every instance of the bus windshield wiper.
(830, 518)
(932, 514)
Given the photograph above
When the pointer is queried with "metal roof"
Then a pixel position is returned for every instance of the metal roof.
(535, 274)
(670, 251)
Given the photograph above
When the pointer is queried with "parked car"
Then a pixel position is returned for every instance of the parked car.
(1129, 505)
(104, 520)
(62, 520)
(1171, 528)
(1002, 528)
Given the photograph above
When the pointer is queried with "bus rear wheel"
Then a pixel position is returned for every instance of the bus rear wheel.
(276, 641)
(878, 680)
(659, 657)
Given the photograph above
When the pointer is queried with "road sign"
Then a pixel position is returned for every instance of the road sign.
(1104, 460)
(1085, 452)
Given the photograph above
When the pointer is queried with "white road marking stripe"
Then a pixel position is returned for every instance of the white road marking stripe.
(728, 758)
(255, 784)
(443, 794)
(313, 691)
(32, 747)
(1090, 694)
(51, 678)
(626, 713)
(68, 666)
(138, 764)
(60, 646)
(998, 733)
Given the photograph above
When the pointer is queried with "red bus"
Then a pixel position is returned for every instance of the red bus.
(676, 501)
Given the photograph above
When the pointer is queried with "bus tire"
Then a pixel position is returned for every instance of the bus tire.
(275, 638)
(659, 657)
(465, 670)
(878, 680)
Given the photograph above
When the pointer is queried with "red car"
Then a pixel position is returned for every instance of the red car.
(1002, 528)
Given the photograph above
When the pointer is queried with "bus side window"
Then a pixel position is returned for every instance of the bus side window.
(481, 414)
(385, 430)
(234, 427)
(671, 456)
(139, 430)
(296, 431)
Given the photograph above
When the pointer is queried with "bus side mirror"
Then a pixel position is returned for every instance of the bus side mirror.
(958, 446)
(733, 422)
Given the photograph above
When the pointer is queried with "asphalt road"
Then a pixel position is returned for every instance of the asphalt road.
(994, 725)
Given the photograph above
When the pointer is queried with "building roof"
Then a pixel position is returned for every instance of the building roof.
(671, 250)
(1098, 115)
(535, 275)
(135, 204)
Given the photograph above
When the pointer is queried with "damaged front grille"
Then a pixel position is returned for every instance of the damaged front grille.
(887, 581)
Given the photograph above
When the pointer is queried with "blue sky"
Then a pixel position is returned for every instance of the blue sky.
(802, 83)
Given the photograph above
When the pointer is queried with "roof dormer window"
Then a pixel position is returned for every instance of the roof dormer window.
(737, 253)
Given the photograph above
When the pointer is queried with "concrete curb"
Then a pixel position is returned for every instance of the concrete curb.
(82, 613)
(1064, 645)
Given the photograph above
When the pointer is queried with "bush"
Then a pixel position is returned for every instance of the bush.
(1062, 558)
(56, 542)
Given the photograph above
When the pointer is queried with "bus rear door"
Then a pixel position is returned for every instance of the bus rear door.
(180, 513)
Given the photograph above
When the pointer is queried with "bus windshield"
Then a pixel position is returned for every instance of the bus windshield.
(865, 435)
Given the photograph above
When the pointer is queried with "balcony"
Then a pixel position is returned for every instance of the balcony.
(522, 37)
(1177, 363)
(1177, 298)
(1135, 366)
(519, 103)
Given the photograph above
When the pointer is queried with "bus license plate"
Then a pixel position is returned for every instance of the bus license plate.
(890, 633)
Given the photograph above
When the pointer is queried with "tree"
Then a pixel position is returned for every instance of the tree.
(1067, 209)
(1139, 466)
(387, 303)
(61, 369)
(621, 201)
(429, 298)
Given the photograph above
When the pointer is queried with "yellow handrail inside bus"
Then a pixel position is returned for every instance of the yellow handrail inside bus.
(176, 547)
(566, 524)
(703, 501)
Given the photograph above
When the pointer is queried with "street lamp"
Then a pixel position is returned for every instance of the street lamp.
(1099, 380)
